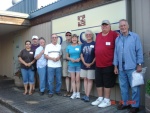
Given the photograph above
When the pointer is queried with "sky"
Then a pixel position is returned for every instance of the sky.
(5, 4)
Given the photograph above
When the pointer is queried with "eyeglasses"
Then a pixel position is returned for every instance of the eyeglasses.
(88, 34)
(68, 35)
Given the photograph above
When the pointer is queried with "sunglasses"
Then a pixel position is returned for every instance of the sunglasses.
(68, 35)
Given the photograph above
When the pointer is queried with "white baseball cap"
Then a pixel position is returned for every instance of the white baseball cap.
(35, 37)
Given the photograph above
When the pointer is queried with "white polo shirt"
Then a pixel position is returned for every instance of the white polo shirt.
(53, 51)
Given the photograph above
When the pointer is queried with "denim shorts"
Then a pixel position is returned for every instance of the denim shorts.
(27, 75)
(74, 68)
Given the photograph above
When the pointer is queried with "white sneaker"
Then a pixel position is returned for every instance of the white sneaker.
(97, 102)
(77, 95)
(104, 104)
(73, 96)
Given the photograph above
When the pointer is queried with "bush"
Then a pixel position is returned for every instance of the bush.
(148, 87)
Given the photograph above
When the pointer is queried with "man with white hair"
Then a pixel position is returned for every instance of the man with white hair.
(128, 57)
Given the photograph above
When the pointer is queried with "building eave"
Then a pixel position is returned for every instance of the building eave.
(52, 7)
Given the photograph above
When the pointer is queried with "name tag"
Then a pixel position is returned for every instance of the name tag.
(77, 49)
(108, 43)
(31, 52)
(91, 46)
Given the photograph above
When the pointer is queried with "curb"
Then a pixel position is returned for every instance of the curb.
(14, 109)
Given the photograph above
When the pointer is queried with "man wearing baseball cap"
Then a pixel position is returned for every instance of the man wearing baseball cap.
(65, 72)
(104, 72)
(34, 46)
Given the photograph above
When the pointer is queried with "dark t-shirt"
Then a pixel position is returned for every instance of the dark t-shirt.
(34, 47)
(27, 56)
(87, 50)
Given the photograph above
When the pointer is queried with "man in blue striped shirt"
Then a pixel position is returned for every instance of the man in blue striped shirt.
(128, 57)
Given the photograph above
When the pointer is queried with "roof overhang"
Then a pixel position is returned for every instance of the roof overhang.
(13, 21)
(51, 7)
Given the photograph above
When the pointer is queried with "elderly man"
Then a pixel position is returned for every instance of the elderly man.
(41, 64)
(128, 57)
(104, 73)
(53, 55)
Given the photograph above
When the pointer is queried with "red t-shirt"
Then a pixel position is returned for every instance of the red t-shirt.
(104, 49)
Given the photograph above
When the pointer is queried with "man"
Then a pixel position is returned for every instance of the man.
(66, 74)
(104, 73)
(128, 57)
(53, 55)
(34, 46)
(35, 42)
(41, 65)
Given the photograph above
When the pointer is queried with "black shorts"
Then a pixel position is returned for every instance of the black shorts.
(105, 77)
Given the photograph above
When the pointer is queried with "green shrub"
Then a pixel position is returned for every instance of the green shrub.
(148, 87)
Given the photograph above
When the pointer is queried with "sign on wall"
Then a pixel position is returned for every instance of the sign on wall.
(90, 19)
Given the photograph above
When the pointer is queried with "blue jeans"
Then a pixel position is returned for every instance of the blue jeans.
(47, 84)
(42, 78)
(51, 73)
(125, 80)
(28, 76)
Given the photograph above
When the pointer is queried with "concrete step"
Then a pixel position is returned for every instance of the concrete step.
(4, 80)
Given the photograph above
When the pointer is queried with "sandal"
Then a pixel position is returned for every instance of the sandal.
(30, 93)
(25, 93)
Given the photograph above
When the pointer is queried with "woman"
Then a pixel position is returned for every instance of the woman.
(73, 55)
(26, 57)
(88, 64)
(41, 65)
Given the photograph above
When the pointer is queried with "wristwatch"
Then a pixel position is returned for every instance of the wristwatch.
(139, 64)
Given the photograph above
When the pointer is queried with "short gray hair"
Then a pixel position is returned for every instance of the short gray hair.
(124, 21)
(89, 31)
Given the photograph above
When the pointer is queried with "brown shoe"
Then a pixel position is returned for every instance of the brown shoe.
(122, 107)
(69, 94)
(66, 94)
(134, 110)
(50, 95)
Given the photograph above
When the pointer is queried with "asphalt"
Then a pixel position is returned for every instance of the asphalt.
(12, 97)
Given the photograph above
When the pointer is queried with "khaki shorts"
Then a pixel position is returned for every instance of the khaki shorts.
(90, 74)
(65, 69)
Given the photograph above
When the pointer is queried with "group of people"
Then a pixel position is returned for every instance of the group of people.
(101, 60)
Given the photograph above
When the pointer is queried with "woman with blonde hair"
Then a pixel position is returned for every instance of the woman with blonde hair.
(74, 64)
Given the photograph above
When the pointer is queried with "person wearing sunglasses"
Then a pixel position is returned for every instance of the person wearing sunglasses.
(65, 72)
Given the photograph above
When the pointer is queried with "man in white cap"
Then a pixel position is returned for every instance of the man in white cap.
(104, 72)
(34, 46)
(35, 42)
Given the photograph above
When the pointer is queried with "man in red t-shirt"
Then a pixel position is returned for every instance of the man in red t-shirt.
(104, 73)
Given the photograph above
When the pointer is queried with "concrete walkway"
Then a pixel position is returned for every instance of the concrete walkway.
(13, 98)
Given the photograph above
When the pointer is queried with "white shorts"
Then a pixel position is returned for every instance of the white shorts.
(90, 74)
